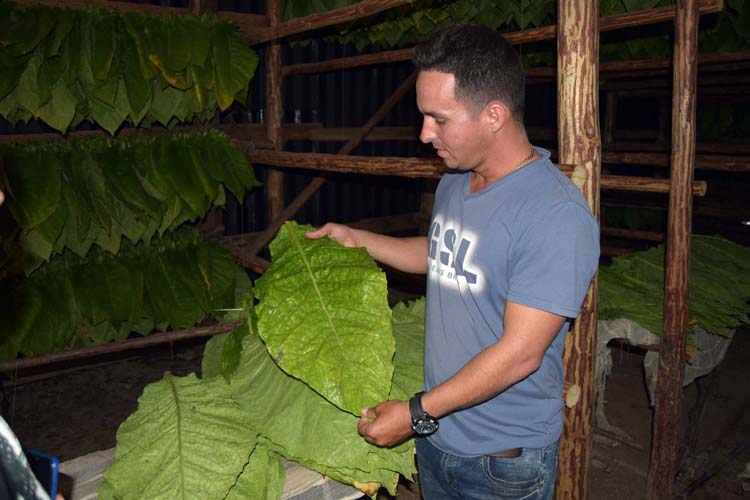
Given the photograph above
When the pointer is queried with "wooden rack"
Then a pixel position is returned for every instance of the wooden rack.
(577, 72)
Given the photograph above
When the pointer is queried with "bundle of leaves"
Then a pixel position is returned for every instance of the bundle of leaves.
(64, 66)
(221, 436)
(175, 281)
(633, 286)
(415, 22)
(76, 193)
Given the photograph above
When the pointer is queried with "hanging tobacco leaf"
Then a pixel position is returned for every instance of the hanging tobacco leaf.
(324, 316)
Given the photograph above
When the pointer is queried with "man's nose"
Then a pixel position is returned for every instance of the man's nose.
(427, 134)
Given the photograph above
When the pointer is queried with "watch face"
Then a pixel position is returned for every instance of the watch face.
(425, 426)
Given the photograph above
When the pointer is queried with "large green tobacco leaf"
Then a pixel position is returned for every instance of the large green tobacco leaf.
(408, 362)
(262, 477)
(189, 439)
(32, 185)
(633, 286)
(73, 194)
(177, 280)
(233, 64)
(324, 316)
(305, 428)
(110, 67)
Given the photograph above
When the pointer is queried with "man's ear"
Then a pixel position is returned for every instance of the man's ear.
(497, 115)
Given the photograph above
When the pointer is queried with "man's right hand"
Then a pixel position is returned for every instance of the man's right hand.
(337, 232)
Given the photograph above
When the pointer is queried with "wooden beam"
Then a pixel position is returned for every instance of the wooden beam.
(319, 20)
(580, 144)
(668, 408)
(733, 150)
(702, 161)
(274, 112)
(319, 181)
(124, 345)
(251, 133)
(608, 23)
(345, 134)
(428, 168)
(245, 22)
(727, 213)
(632, 234)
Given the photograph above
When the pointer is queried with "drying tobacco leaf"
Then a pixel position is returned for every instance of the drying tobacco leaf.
(324, 316)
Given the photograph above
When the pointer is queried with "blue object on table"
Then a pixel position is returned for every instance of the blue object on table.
(45, 467)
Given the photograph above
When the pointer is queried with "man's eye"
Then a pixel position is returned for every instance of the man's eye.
(440, 121)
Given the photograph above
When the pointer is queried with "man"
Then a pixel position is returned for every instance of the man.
(510, 253)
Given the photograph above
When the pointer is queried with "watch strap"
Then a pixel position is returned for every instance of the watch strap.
(415, 407)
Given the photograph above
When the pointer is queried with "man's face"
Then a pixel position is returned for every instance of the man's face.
(458, 135)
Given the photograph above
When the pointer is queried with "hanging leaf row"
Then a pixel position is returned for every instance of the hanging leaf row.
(413, 23)
(78, 193)
(176, 281)
(633, 286)
(65, 66)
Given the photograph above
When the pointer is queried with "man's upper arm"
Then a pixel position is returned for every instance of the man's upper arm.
(555, 260)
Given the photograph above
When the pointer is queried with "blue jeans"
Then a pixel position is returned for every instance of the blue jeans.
(530, 476)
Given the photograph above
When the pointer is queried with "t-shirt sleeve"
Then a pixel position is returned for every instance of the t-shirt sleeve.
(554, 260)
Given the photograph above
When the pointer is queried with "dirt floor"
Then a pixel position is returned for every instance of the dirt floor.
(78, 410)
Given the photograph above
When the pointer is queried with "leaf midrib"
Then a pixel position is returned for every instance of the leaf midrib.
(298, 246)
(179, 435)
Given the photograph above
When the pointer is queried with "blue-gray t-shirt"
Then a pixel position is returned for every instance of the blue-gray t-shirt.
(529, 238)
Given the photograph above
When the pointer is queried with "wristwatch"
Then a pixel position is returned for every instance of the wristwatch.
(422, 423)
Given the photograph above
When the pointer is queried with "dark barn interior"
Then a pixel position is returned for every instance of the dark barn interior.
(660, 135)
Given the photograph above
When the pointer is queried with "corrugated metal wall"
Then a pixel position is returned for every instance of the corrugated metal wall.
(345, 98)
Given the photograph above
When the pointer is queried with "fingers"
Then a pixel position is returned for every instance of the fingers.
(368, 416)
(319, 233)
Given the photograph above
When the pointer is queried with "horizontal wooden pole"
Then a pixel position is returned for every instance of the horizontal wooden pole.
(737, 150)
(244, 22)
(254, 133)
(311, 22)
(702, 161)
(345, 134)
(632, 234)
(713, 61)
(714, 211)
(430, 168)
(124, 345)
(721, 81)
(607, 23)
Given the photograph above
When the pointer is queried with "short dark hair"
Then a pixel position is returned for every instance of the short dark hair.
(485, 65)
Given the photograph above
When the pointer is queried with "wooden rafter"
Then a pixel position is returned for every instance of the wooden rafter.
(246, 23)
(319, 181)
(124, 345)
(580, 143)
(668, 394)
(429, 168)
(275, 112)
(312, 22)
(607, 23)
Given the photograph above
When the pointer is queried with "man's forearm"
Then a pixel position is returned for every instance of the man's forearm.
(405, 254)
(528, 333)
(486, 375)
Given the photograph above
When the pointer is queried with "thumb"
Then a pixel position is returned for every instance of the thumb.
(369, 413)
(317, 233)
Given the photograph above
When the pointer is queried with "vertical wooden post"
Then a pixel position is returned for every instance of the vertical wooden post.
(610, 118)
(579, 140)
(274, 112)
(668, 409)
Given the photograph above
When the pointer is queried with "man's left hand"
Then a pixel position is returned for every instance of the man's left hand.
(388, 424)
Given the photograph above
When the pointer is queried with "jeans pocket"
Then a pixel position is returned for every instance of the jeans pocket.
(518, 477)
